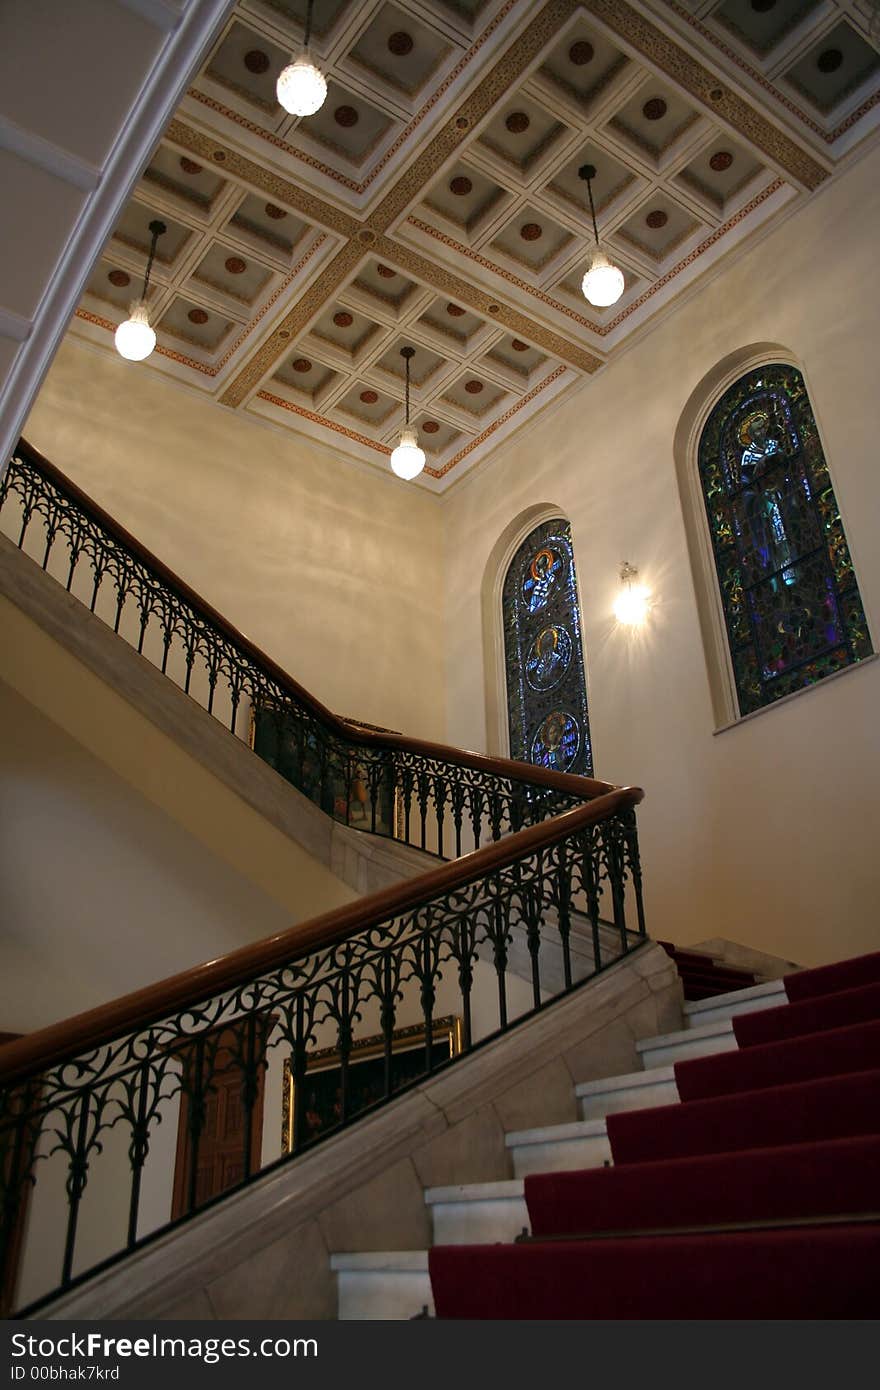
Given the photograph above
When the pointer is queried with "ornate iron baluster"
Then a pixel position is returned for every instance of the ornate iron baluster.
(427, 992)
(387, 1014)
(407, 780)
(457, 797)
(612, 838)
(476, 806)
(500, 939)
(562, 902)
(344, 1039)
(138, 1149)
(533, 931)
(423, 787)
(441, 788)
(298, 1069)
(590, 879)
(631, 841)
(464, 954)
(77, 1177)
(196, 1116)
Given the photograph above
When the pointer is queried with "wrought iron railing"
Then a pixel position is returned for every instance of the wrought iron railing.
(437, 799)
(108, 1122)
(84, 1105)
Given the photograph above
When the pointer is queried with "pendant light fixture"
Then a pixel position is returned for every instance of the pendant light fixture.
(603, 283)
(301, 87)
(408, 459)
(135, 338)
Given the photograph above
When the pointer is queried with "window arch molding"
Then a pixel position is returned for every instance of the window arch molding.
(497, 565)
(699, 407)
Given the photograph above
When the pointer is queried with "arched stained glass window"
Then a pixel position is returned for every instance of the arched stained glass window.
(788, 589)
(543, 656)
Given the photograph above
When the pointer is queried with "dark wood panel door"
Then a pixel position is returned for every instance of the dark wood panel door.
(222, 1141)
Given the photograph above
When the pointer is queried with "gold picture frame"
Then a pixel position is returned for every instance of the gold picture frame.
(365, 1065)
(348, 804)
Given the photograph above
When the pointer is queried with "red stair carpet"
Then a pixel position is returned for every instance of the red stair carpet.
(780, 1139)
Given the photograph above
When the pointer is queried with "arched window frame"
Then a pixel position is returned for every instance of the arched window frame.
(503, 554)
(722, 679)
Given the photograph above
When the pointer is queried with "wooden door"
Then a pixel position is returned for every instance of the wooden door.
(220, 1164)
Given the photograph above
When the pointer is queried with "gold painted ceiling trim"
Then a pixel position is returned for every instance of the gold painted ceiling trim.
(500, 79)
(292, 195)
(496, 424)
(439, 278)
(363, 238)
(600, 329)
(368, 236)
(705, 87)
(828, 136)
(293, 323)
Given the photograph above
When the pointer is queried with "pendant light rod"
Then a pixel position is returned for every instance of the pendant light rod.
(407, 353)
(588, 173)
(408, 459)
(158, 229)
(308, 29)
(604, 282)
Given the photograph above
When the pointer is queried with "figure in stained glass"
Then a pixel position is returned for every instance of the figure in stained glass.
(556, 741)
(548, 658)
(546, 689)
(792, 609)
(542, 576)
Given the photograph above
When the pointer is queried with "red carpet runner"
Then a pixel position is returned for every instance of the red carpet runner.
(784, 1130)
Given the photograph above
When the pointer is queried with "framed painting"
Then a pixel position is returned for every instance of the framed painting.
(334, 780)
(366, 1075)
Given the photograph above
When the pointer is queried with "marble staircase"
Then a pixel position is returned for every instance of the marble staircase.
(396, 1285)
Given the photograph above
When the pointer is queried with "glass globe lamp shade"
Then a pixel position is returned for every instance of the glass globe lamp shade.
(408, 459)
(135, 338)
(603, 283)
(631, 606)
(301, 87)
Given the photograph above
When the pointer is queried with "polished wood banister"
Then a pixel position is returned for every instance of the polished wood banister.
(581, 787)
(31, 1055)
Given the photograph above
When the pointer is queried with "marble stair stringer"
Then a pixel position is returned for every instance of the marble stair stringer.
(364, 863)
(265, 1252)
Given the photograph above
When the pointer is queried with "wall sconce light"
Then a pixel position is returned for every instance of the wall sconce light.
(631, 605)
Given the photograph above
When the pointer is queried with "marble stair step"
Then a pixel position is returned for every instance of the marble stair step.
(387, 1285)
(637, 1090)
(737, 1001)
(665, 1049)
(557, 1148)
(477, 1213)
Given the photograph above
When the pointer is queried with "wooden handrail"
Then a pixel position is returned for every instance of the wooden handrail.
(38, 1051)
(582, 787)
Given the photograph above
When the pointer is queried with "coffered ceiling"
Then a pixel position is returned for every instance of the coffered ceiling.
(435, 200)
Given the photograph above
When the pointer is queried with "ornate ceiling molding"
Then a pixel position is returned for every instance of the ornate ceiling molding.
(705, 86)
(302, 295)
(829, 136)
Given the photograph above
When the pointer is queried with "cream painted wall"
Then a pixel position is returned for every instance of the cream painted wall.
(369, 592)
(103, 891)
(765, 833)
(331, 567)
(156, 766)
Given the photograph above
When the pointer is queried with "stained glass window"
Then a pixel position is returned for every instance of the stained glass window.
(546, 690)
(788, 589)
